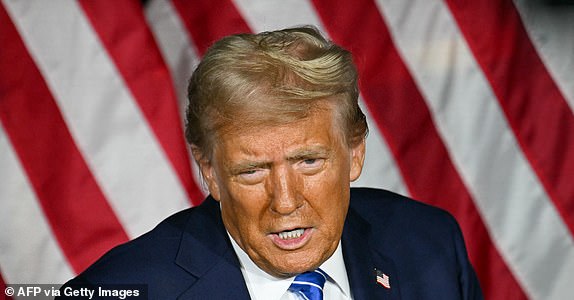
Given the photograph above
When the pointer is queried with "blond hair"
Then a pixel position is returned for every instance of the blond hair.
(271, 78)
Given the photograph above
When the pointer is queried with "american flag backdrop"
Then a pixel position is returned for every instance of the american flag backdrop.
(470, 105)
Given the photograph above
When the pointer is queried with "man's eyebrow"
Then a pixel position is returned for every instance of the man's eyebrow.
(309, 153)
(247, 165)
(242, 165)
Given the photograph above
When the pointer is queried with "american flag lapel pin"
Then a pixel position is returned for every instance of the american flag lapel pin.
(383, 279)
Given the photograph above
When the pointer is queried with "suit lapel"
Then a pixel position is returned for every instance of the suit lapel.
(207, 254)
(363, 266)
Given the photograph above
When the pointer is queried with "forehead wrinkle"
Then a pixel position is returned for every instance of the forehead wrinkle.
(247, 157)
(302, 146)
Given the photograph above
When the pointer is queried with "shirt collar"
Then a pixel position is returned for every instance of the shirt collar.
(335, 268)
(264, 286)
(260, 284)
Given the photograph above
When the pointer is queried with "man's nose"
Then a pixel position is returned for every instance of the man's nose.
(285, 197)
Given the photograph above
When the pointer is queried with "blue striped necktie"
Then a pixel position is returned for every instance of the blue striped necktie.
(309, 285)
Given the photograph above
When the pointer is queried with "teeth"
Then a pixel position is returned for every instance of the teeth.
(293, 234)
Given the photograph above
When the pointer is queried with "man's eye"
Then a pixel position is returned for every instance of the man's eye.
(314, 161)
(251, 176)
(310, 161)
(310, 165)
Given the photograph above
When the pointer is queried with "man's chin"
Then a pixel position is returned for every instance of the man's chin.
(293, 264)
(286, 272)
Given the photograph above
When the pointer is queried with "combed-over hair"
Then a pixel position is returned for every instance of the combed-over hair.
(271, 78)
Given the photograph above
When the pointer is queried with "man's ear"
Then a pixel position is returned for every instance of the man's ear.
(207, 171)
(357, 160)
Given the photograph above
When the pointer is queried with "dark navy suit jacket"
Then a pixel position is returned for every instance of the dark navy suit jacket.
(189, 256)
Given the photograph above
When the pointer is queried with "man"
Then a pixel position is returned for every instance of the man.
(275, 127)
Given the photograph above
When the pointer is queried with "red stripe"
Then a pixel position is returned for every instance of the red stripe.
(131, 46)
(3, 288)
(535, 108)
(209, 20)
(403, 117)
(83, 223)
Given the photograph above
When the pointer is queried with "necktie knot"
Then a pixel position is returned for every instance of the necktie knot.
(309, 284)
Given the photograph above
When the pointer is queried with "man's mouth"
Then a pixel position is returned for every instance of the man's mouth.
(292, 234)
(292, 239)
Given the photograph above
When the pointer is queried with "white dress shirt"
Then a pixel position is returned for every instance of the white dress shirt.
(262, 286)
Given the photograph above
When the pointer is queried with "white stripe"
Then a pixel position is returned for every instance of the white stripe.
(29, 252)
(380, 170)
(303, 295)
(173, 41)
(308, 283)
(322, 273)
(179, 53)
(100, 112)
(551, 29)
(525, 225)
(277, 14)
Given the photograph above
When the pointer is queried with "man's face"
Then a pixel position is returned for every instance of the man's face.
(284, 190)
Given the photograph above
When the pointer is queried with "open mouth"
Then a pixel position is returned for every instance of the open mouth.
(291, 234)
(292, 239)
